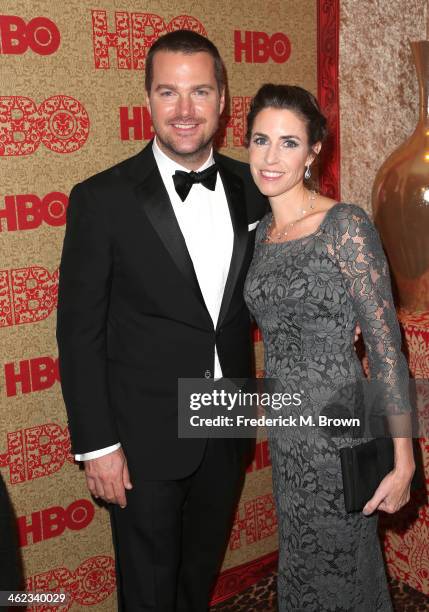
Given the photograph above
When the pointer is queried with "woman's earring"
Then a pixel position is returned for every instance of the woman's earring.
(307, 173)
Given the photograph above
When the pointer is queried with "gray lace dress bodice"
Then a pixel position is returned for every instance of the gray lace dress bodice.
(306, 296)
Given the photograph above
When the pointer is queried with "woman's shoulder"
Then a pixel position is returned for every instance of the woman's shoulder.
(351, 225)
(345, 215)
(348, 210)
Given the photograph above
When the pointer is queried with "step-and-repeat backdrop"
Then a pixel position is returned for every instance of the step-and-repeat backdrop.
(72, 104)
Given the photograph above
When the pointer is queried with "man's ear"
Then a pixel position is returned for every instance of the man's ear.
(222, 101)
(147, 100)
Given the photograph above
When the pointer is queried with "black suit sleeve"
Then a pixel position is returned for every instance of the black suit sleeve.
(83, 301)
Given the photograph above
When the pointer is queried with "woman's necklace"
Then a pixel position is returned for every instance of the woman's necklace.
(273, 236)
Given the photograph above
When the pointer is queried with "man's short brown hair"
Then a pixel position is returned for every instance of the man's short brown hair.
(188, 42)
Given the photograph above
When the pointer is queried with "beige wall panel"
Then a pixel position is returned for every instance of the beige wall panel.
(378, 87)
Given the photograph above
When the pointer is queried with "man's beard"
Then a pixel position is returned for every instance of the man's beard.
(169, 144)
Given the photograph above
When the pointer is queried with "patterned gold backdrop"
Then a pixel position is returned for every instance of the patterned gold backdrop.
(67, 111)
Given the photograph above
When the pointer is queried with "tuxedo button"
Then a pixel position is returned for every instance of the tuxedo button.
(207, 374)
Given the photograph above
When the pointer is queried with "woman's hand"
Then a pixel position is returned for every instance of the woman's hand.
(358, 333)
(392, 493)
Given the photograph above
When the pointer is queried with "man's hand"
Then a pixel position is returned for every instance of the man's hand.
(108, 477)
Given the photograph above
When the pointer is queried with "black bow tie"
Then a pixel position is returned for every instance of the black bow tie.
(183, 181)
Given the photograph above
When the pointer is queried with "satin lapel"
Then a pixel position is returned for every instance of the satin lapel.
(234, 191)
(156, 205)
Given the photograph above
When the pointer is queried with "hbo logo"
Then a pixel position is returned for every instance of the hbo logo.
(40, 34)
(258, 47)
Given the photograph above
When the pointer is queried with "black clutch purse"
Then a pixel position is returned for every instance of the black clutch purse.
(363, 468)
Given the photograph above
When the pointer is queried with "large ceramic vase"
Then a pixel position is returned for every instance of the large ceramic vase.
(400, 201)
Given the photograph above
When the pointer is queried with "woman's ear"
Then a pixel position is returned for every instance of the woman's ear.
(315, 150)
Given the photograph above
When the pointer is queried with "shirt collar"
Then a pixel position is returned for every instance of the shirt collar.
(169, 166)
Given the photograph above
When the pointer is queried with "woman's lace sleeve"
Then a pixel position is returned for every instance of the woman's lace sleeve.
(364, 267)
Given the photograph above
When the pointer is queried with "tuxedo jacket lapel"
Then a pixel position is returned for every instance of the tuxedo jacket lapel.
(156, 205)
(153, 198)
(234, 194)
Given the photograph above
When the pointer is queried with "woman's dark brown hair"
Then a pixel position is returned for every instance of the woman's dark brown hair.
(295, 99)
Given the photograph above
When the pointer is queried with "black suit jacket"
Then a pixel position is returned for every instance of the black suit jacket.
(131, 316)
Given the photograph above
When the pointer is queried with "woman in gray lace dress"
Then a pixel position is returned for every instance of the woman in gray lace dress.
(317, 271)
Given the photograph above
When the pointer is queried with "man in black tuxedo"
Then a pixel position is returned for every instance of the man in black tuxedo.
(151, 280)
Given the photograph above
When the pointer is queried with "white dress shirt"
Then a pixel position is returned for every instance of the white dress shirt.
(205, 223)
